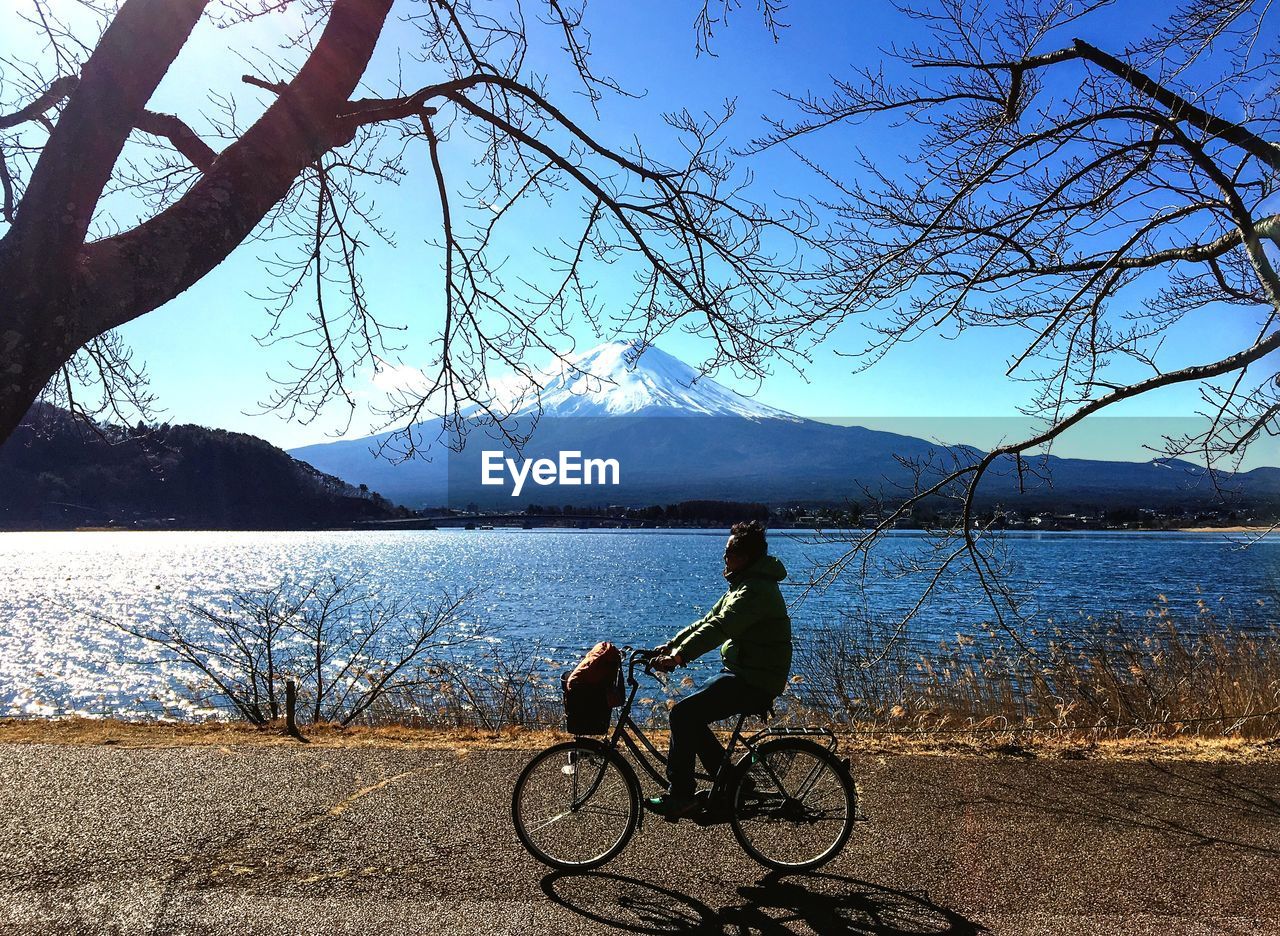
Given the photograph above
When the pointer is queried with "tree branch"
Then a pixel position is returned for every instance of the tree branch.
(374, 110)
(446, 217)
(247, 179)
(1180, 108)
(183, 138)
(58, 89)
(276, 87)
(1191, 253)
(119, 78)
(698, 302)
(6, 186)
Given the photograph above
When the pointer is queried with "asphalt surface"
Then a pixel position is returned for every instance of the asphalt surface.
(307, 840)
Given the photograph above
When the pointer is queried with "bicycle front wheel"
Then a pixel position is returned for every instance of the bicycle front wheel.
(794, 804)
(576, 805)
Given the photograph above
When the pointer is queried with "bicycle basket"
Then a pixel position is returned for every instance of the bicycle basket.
(592, 690)
(586, 708)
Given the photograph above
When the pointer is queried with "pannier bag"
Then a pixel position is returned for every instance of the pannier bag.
(592, 690)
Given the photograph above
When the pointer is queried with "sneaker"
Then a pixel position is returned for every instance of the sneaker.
(672, 808)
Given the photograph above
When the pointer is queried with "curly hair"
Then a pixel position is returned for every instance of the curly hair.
(750, 538)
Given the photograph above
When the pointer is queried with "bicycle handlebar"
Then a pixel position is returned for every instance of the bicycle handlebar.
(639, 655)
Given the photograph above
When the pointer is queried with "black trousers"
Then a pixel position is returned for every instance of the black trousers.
(723, 696)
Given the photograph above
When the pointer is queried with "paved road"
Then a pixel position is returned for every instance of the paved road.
(360, 841)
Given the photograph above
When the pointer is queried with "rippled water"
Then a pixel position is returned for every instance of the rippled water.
(564, 589)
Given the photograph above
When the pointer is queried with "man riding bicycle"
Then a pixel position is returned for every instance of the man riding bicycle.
(751, 626)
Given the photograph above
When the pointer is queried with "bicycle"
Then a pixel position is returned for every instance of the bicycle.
(790, 799)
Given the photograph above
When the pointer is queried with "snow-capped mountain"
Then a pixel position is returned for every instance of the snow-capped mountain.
(620, 378)
(615, 402)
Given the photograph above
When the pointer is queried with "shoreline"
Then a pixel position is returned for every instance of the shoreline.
(1014, 745)
(1228, 529)
(1259, 529)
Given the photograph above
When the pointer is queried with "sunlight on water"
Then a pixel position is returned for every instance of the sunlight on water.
(565, 590)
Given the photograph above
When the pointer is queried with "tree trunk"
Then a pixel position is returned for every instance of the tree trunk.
(291, 711)
(31, 354)
(58, 291)
(14, 404)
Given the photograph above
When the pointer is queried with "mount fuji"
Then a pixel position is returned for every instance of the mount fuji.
(619, 378)
(677, 435)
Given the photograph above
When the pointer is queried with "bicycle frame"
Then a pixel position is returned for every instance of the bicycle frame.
(764, 794)
(629, 733)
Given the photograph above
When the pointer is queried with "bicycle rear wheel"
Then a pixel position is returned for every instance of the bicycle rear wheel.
(576, 805)
(793, 804)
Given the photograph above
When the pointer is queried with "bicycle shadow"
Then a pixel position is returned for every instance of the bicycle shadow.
(777, 904)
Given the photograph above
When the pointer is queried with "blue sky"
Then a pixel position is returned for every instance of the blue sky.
(206, 368)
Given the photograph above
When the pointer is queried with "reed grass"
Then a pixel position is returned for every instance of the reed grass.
(1103, 678)
(1099, 679)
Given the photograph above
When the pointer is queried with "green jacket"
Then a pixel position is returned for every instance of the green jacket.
(751, 626)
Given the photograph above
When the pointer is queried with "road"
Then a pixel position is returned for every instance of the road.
(97, 839)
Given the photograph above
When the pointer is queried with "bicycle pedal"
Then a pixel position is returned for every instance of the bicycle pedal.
(711, 817)
(712, 811)
(669, 818)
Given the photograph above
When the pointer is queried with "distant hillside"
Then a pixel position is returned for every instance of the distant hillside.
(57, 473)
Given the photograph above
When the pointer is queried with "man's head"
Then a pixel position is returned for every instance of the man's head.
(746, 544)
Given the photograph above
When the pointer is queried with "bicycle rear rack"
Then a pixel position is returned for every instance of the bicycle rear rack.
(826, 734)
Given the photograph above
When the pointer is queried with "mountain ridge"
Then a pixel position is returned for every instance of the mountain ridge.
(617, 401)
(57, 473)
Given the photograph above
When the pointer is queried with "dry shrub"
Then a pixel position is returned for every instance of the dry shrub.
(1165, 678)
(506, 685)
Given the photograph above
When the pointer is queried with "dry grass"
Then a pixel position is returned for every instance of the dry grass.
(1101, 680)
(151, 734)
(228, 735)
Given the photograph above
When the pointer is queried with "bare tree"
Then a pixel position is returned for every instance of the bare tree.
(76, 125)
(1093, 200)
(346, 648)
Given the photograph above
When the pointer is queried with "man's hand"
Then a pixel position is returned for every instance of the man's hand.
(667, 662)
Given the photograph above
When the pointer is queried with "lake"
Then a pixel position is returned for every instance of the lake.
(564, 590)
